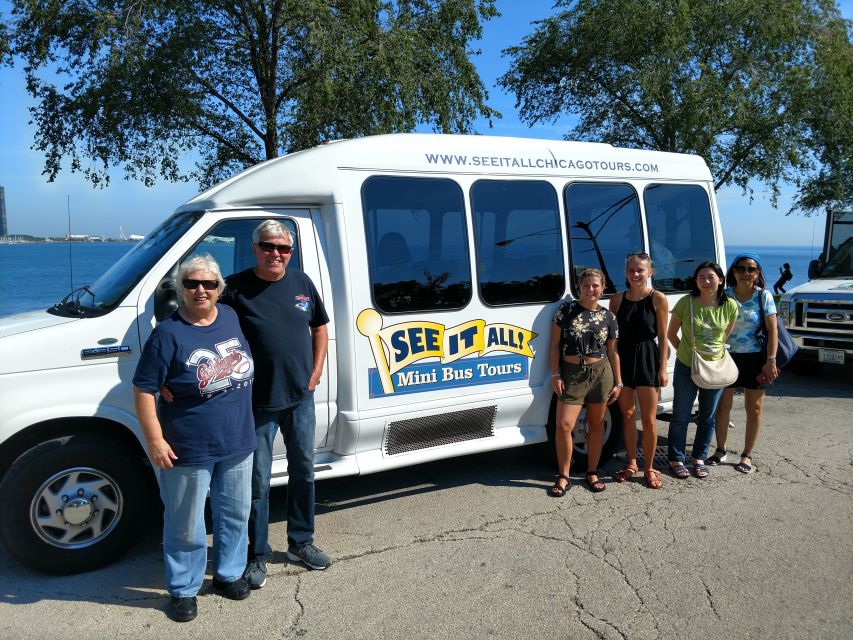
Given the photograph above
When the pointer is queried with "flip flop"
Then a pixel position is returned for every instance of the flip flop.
(680, 471)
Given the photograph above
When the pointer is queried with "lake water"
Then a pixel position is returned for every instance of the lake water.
(36, 276)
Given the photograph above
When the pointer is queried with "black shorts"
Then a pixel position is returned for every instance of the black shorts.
(749, 365)
(639, 362)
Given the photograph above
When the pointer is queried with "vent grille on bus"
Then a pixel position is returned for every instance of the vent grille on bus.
(433, 431)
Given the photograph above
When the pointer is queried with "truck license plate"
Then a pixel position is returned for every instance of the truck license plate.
(836, 356)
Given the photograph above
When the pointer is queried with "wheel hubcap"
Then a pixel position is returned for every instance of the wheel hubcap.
(580, 435)
(76, 508)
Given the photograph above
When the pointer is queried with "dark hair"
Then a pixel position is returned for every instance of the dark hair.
(731, 279)
(721, 290)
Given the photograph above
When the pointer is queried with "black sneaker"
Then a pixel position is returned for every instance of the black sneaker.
(236, 590)
(183, 609)
(310, 556)
(256, 574)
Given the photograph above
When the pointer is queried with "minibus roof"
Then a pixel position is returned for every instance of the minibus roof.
(312, 176)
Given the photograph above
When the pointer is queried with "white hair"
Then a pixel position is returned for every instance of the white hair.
(271, 229)
(198, 262)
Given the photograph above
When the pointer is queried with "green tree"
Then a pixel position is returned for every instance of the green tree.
(4, 41)
(145, 84)
(828, 105)
(726, 79)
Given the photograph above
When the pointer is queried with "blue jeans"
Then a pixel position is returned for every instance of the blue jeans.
(297, 424)
(685, 391)
(184, 491)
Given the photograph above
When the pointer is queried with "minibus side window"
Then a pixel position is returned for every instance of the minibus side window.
(230, 244)
(681, 233)
(417, 244)
(604, 226)
(517, 242)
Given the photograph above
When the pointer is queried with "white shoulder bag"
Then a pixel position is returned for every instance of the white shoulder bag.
(710, 374)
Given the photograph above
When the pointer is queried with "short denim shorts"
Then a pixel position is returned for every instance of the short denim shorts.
(586, 383)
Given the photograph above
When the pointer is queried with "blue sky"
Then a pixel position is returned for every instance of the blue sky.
(37, 207)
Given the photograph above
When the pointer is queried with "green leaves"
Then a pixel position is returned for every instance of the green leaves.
(733, 80)
(155, 85)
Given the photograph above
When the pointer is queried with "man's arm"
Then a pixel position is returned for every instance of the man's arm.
(320, 342)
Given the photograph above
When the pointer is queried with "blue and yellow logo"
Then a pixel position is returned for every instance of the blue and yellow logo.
(398, 347)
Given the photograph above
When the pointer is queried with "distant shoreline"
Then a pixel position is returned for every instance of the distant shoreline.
(88, 240)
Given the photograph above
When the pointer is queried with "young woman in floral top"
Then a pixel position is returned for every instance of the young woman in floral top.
(584, 370)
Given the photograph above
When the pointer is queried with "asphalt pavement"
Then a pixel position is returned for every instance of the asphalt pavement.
(475, 548)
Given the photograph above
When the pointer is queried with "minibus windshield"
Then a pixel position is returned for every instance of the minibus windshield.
(109, 290)
(840, 265)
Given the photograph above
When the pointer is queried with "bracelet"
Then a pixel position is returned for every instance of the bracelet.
(771, 358)
(555, 375)
(618, 386)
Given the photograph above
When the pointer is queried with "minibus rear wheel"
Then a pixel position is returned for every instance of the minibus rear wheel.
(73, 504)
(613, 441)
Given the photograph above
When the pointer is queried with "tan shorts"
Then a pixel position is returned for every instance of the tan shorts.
(588, 383)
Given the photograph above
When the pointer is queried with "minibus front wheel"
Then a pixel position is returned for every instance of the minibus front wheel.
(73, 504)
(612, 436)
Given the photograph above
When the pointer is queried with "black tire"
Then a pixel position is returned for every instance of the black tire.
(612, 437)
(73, 504)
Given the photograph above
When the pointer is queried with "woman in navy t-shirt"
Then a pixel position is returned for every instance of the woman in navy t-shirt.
(204, 439)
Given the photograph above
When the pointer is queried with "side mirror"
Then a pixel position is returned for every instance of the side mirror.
(166, 296)
(814, 269)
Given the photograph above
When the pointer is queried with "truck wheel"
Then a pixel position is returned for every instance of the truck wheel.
(72, 505)
(612, 437)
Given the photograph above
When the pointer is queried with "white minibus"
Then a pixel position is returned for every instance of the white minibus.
(441, 260)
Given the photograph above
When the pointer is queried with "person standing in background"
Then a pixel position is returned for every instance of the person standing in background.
(784, 276)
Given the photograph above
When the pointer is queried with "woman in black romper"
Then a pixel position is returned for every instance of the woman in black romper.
(642, 314)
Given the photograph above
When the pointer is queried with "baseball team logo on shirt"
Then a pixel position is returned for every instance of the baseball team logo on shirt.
(229, 366)
(302, 303)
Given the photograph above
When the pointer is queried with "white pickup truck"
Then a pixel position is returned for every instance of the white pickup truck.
(819, 313)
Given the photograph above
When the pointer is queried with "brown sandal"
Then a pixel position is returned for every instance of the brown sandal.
(653, 479)
(624, 475)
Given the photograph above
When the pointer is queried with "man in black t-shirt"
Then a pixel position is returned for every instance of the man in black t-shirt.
(284, 321)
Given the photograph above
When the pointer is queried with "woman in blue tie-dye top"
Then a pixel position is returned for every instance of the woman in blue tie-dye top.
(756, 362)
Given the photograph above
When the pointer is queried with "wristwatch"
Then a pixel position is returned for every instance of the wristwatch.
(618, 386)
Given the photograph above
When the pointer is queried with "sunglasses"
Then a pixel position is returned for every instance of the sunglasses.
(269, 247)
(642, 255)
(192, 285)
(740, 269)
